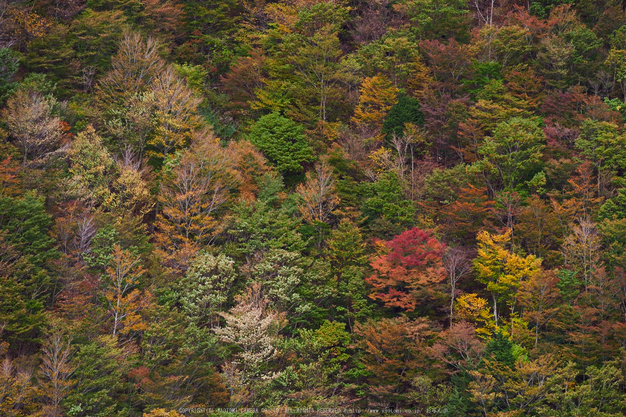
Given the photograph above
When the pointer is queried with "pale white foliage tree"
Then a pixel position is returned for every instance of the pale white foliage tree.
(253, 329)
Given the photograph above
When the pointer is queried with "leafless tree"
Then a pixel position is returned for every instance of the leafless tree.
(56, 370)
(458, 263)
(318, 194)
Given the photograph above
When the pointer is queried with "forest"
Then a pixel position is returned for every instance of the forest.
(312, 207)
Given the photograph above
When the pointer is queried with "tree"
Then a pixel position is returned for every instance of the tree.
(396, 57)
(459, 347)
(245, 78)
(92, 169)
(279, 274)
(196, 184)
(581, 249)
(345, 251)
(175, 113)
(17, 392)
(462, 219)
(32, 123)
(133, 69)
(450, 63)
(131, 124)
(377, 98)
(393, 354)
(57, 370)
(318, 194)
(164, 17)
(176, 366)
(318, 373)
(25, 256)
(471, 308)
(513, 154)
(124, 299)
(538, 297)
(282, 141)
(602, 143)
(457, 263)
(100, 369)
(206, 288)
(501, 270)
(410, 271)
(405, 111)
(9, 63)
(437, 19)
(9, 182)
(252, 329)
(385, 204)
(539, 231)
(317, 61)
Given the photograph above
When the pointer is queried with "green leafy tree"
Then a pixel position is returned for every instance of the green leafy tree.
(406, 110)
(28, 251)
(282, 141)
(316, 56)
(318, 374)
(101, 368)
(345, 251)
(393, 55)
(9, 64)
(207, 288)
(384, 200)
(436, 19)
(513, 154)
(603, 144)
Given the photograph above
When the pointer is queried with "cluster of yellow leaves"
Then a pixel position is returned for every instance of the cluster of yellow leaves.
(501, 269)
(378, 96)
(472, 308)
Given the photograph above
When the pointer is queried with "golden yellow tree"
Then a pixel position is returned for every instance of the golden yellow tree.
(501, 270)
(378, 96)
(175, 106)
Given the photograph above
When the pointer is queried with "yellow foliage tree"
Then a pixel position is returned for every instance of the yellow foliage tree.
(378, 96)
(501, 270)
(472, 308)
(175, 105)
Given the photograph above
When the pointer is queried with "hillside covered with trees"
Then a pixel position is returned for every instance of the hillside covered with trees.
(312, 206)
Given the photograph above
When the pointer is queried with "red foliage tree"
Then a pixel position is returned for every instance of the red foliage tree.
(410, 272)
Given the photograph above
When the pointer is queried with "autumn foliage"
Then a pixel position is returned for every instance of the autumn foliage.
(269, 207)
(409, 272)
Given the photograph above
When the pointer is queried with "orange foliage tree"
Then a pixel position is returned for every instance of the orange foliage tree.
(410, 272)
(196, 184)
